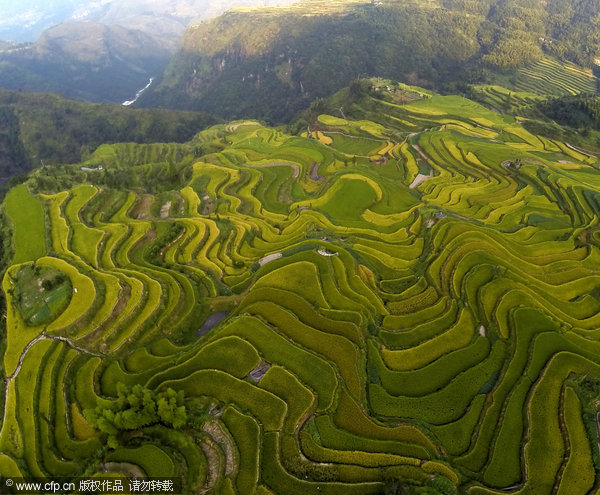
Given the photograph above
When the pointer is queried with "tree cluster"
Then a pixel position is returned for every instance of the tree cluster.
(39, 129)
(136, 408)
(580, 112)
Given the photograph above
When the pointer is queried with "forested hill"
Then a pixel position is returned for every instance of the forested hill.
(43, 128)
(270, 62)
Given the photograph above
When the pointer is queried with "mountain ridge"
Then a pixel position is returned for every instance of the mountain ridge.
(38, 129)
(25, 21)
(89, 61)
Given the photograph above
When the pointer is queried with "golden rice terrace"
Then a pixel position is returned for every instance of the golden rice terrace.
(407, 304)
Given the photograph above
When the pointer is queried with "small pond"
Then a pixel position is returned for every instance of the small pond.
(212, 321)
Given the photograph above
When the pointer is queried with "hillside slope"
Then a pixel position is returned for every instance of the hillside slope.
(38, 129)
(405, 301)
(269, 63)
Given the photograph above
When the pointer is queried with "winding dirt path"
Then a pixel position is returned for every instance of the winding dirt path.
(418, 180)
(269, 257)
(314, 172)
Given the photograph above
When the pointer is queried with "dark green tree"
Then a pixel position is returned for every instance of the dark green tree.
(136, 408)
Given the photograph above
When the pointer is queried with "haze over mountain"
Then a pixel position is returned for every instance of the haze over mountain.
(100, 51)
(85, 60)
(25, 20)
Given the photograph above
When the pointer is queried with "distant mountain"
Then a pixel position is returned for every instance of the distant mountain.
(269, 63)
(85, 60)
(100, 51)
(272, 62)
(25, 20)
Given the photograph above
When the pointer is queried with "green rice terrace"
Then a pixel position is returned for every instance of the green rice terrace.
(407, 301)
(552, 77)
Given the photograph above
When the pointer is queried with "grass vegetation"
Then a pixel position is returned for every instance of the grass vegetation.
(41, 293)
(26, 214)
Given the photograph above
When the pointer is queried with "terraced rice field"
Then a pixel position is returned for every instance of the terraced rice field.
(551, 77)
(503, 100)
(373, 337)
